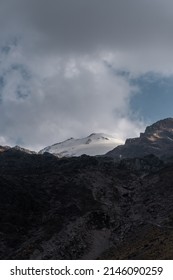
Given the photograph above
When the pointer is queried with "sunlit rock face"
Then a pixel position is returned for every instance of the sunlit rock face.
(157, 139)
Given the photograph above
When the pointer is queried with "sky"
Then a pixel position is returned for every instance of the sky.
(69, 68)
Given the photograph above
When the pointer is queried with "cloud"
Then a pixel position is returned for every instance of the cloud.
(61, 63)
(71, 97)
(85, 26)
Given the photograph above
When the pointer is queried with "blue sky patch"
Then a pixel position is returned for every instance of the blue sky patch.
(155, 99)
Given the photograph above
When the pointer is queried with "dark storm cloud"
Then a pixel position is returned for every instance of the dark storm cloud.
(137, 32)
(80, 25)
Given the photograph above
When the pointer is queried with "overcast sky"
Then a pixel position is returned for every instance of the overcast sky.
(72, 67)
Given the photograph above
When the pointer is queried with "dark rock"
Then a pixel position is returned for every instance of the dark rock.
(89, 207)
(157, 140)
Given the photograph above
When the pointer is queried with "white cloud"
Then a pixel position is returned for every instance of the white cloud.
(71, 97)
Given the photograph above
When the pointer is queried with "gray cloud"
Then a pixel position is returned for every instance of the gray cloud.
(80, 25)
(59, 63)
(71, 97)
(138, 33)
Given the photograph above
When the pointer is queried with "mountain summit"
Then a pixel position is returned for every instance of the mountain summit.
(157, 139)
(81, 208)
(94, 144)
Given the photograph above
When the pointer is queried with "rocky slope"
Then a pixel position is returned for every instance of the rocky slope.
(89, 207)
(84, 207)
(4, 148)
(157, 139)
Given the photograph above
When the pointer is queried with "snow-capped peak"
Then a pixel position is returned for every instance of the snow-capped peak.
(94, 144)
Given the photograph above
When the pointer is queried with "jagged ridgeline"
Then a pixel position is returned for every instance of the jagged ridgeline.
(157, 140)
(89, 207)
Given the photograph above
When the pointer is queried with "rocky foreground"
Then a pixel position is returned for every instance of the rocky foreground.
(85, 207)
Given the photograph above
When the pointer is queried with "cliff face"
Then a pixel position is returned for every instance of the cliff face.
(81, 208)
(157, 139)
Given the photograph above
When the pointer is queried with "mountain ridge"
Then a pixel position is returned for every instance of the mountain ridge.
(94, 144)
(86, 207)
(157, 139)
(83, 207)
